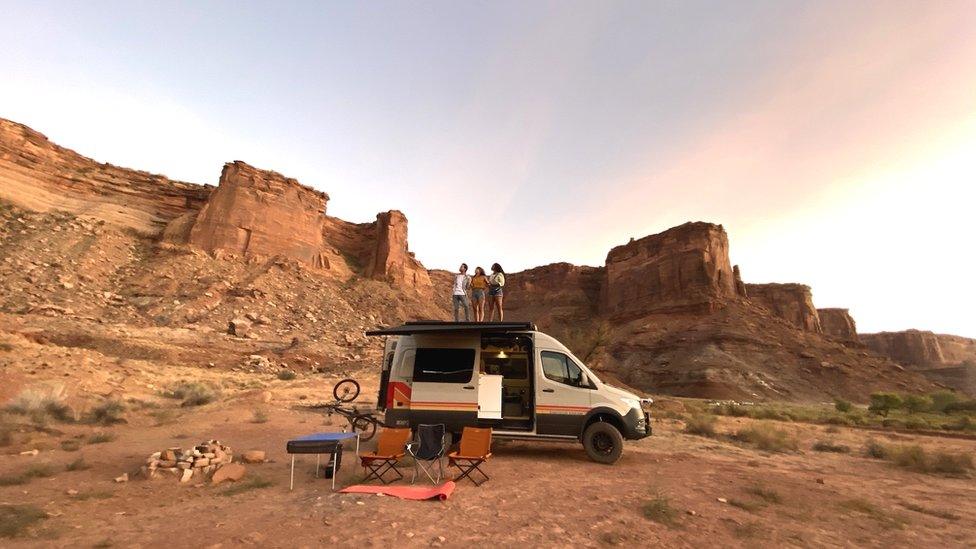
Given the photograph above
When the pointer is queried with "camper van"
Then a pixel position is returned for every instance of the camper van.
(509, 376)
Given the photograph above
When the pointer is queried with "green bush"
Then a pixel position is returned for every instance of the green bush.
(961, 406)
(941, 400)
(731, 409)
(883, 403)
(916, 423)
(842, 405)
(916, 403)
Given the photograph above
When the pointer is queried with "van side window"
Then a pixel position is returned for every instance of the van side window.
(560, 368)
(433, 365)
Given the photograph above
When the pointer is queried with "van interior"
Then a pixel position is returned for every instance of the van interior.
(510, 356)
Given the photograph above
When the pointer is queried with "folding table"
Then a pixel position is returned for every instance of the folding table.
(318, 444)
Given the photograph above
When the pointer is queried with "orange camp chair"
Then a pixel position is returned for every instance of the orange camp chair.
(475, 449)
(389, 450)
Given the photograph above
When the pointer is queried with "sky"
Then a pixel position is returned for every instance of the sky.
(834, 141)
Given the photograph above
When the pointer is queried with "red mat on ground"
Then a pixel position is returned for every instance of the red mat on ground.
(440, 492)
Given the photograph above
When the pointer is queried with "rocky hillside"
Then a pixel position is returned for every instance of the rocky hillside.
(140, 270)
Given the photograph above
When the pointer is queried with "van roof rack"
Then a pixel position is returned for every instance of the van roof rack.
(443, 326)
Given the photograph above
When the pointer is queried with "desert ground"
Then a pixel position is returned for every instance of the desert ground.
(673, 488)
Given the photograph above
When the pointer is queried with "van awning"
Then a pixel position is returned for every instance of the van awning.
(440, 326)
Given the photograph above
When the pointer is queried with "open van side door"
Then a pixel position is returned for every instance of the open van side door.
(490, 396)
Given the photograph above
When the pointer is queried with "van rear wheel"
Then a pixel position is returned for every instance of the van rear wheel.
(603, 442)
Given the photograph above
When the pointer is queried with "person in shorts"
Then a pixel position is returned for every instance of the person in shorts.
(496, 294)
(479, 290)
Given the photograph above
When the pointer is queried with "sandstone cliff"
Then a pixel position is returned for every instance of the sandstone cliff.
(791, 302)
(38, 175)
(838, 324)
(685, 268)
(923, 349)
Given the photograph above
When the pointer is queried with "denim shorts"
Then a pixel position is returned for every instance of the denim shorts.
(495, 291)
(478, 294)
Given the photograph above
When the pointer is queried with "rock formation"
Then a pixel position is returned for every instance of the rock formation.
(685, 268)
(923, 349)
(263, 213)
(391, 260)
(838, 324)
(38, 175)
(791, 302)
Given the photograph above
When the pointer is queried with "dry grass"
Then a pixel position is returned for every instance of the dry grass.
(768, 438)
(941, 513)
(101, 438)
(41, 404)
(701, 424)
(193, 393)
(766, 494)
(77, 465)
(916, 458)
(252, 483)
(109, 412)
(259, 416)
(286, 375)
(659, 510)
(34, 471)
(92, 494)
(828, 446)
(15, 519)
(867, 508)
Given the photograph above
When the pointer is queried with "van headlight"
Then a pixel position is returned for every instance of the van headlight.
(632, 402)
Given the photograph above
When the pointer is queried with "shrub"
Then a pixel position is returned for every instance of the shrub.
(77, 465)
(883, 403)
(827, 446)
(252, 483)
(731, 409)
(659, 510)
(100, 438)
(286, 375)
(14, 519)
(917, 403)
(768, 438)
(71, 445)
(701, 425)
(916, 423)
(192, 393)
(842, 405)
(965, 423)
(961, 406)
(766, 494)
(40, 403)
(109, 412)
(915, 458)
(260, 416)
(941, 400)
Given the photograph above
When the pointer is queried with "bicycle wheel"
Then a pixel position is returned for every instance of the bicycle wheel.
(346, 390)
(365, 426)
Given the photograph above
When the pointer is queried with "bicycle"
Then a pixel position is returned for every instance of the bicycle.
(364, 423)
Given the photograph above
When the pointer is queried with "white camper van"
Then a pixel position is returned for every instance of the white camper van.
(508, 376)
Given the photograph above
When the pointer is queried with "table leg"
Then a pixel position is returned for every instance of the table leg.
(317, 456)
(335, 468)
(291, 484)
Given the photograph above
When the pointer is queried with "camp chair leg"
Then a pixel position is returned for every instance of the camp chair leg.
(291, 484)
(377, 471)
(428, 469)
(467, 469)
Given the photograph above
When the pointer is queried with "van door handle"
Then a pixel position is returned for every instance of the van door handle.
(468, 387)
(548, 390)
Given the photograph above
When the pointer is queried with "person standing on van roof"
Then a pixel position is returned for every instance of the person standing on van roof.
(460, 296)
(496, 296)
(479, 287)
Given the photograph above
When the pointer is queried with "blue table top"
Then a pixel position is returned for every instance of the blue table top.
(327, 436)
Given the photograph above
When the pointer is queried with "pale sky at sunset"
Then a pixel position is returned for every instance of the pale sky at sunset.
(835, 141)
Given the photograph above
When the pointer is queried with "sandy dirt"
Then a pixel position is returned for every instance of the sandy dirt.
(539, 494)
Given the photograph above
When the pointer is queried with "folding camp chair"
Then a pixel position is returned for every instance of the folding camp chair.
(429, 447)
(475, 449)
(389, 450)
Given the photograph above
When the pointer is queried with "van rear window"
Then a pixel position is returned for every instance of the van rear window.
(443, 365)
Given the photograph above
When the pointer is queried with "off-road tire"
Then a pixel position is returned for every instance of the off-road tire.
(603, 442)
(346, 390)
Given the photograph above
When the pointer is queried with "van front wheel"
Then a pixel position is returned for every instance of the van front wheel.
(603, 442)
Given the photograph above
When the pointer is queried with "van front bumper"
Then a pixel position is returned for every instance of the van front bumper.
(637, 424)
